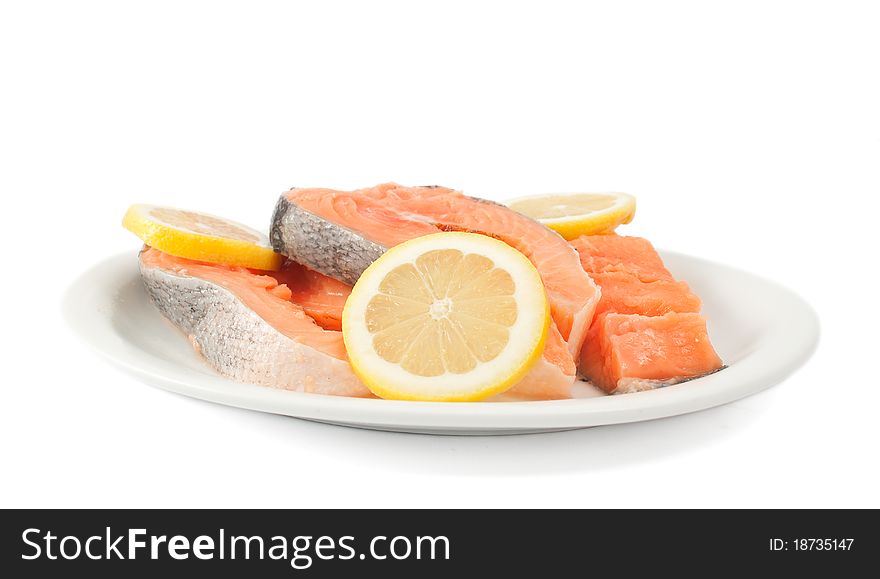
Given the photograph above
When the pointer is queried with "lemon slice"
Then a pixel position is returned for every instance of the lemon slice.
(446, 317)
(201, 237)
(575, 214)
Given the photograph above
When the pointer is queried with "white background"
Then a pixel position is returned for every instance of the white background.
(750, 132)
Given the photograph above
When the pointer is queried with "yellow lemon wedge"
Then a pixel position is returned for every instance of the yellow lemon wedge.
(575, 214)
(446, 317)
(201, 237)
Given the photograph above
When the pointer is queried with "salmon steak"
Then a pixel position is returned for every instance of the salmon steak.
(648, 331)
(340, 233)
(282, 329)
(246, 327)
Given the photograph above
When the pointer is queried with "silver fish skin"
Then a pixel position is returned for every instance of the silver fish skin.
(241, 345)
(324, 246)
(630, 385)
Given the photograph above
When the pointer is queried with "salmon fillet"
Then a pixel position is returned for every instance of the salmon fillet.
(617, 253)
(625, 293)
(630, 353)
(648, 331)
(340, 233)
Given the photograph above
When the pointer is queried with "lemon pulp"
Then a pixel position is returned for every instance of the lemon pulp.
(437, 318)
(575, 214)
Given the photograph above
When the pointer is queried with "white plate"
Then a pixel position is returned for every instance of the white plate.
(761, 330)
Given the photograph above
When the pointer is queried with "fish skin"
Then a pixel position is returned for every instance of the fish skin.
(239, 344)
(327, 247)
